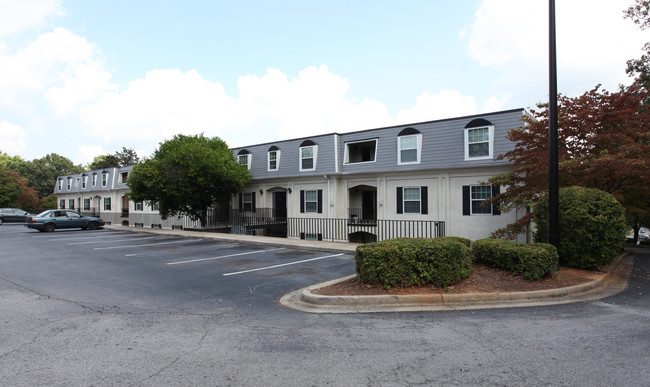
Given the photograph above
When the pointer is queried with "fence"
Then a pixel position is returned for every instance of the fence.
(267, 224)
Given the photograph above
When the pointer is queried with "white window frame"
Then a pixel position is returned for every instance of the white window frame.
(60, 184)
(69, 185)
(86, 204)
(249, 159)
(94, 180)
(124, 176)
(472, 200)
(76, 183)
(71, 204)
(247, 198)
(62, 204)
(107, 201)
(104, 179)
(418, 145)
(315, 201)
(277, 161)
(490, 154)
(346, 156)
(84, 182)
(155, 206)
(314, 157)
(404, 200)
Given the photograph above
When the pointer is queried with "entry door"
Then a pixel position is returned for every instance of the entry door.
(369, 205)
(125, 206)
(280, 204)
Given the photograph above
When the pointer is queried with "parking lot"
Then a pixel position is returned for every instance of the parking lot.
(159, 266)
(110, 307)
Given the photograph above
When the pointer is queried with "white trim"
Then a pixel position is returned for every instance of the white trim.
(471, 207)
(418, 148)
(346, 155)
(490, 143)
(314, 156)
(419, 188)
(277, 161)
(249, 160)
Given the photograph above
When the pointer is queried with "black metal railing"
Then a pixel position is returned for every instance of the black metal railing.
(90, 211)
(362, 216)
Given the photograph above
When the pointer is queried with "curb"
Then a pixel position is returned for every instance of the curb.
(612, 282)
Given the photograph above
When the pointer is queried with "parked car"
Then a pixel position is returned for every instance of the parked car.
(644, 234)
(50, 220)
(14, 215)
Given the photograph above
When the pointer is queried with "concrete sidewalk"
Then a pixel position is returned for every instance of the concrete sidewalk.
(306, 300)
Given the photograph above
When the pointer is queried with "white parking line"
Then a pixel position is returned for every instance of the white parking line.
(112, 241)
(221, 246)
(94, 236)
(146, 245)
(222, 256)
(283, 264)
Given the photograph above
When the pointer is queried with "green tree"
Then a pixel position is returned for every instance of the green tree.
(120, 159)
(14, 191)
(103, 162)
(42, 173)
(187, 175)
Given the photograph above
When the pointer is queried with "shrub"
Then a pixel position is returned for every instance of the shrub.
(592, 227)
(532, 261)
(466, 241)
(407, 262)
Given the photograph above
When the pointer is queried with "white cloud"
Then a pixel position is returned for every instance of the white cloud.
(448, 103)
(12, 138)
(593, 44)
(18, 16)
(60, 66)
(87, 153)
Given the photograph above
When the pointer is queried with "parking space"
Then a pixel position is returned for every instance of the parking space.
(143, 265)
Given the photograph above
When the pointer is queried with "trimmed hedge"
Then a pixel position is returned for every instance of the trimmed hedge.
(420, 261)
(532, 261)
(592, 227)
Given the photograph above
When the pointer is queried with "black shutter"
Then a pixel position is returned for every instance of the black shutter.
(399, 201)
(302, 201)
(320, 237)
(320, 201)
(424, 198)
(467, 204)
(253, 201)
(302, 235)
(495, 206)
(241, 203)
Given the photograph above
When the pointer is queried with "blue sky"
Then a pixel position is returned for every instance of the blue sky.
(84, 78)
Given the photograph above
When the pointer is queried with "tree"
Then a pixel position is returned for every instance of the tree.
(120, 159)
(103, 162)
(14, 191)
(639, 69)
(604, 143)
(42, 173)
(187, 175)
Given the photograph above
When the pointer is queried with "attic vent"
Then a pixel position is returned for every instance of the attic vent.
(408, 131)
(479, 122)
(307, 143)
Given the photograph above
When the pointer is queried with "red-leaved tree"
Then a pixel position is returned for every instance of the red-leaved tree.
(604, 143)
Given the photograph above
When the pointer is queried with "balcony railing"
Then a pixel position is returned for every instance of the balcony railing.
(362, 216)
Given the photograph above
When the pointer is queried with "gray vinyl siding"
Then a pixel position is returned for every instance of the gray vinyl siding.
(443, 147)
(113, 181)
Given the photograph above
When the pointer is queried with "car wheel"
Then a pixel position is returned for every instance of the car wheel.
(50, 227)
(93, 226)
(1, 220)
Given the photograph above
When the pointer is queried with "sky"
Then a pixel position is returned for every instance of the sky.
(83, 78)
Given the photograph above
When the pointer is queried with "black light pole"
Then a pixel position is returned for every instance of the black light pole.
(553, 174)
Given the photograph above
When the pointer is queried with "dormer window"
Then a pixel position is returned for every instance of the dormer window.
(273, 158)
(409, 146)
(124, 176)
(479, 140)
(104, 178)
(60, 184)
(308, 155)
(84, 181)
(94, 179)
(69, 183)
(360, 151)
(245, 158)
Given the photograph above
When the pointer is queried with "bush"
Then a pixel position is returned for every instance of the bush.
(532, 261)
(466, 241)
(592, 227)
(407, 262)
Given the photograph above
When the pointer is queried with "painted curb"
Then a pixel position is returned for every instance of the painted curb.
(309, 298)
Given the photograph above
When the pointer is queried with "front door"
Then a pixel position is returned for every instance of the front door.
(369, 205)
(125, 206)
(280, 204)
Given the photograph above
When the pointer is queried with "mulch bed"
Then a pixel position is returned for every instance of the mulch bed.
(484, 279)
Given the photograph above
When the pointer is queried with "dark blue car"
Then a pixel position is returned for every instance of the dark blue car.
(50, 220)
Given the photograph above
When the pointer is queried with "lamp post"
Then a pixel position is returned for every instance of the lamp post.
(553, 174)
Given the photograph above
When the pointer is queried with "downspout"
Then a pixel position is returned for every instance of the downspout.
(328, 208)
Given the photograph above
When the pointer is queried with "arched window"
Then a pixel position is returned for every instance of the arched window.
(409, 146)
